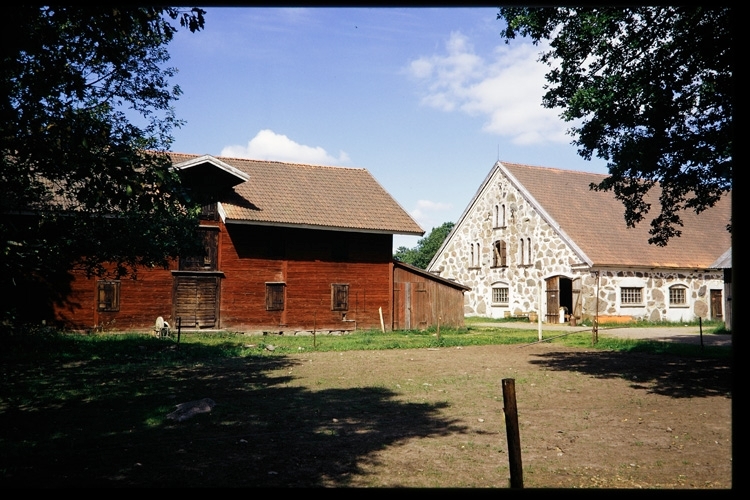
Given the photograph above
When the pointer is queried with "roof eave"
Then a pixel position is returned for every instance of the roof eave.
(320, 227)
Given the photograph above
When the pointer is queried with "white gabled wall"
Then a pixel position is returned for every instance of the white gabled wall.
(471, 241)
(549, 255)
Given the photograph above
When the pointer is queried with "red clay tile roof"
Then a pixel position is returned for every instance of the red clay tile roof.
(312, 196)
(595, 222)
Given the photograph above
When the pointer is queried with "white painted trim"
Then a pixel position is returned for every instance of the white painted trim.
(216, 163)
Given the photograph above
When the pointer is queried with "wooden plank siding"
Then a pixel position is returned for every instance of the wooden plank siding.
(141, 301)
(421, 301)
(307, 262)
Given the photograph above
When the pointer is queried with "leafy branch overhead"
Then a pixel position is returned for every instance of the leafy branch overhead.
(85, 123)
(649, 90)
(421, 255)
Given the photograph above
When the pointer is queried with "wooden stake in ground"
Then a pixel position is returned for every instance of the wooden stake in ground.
(511, 427)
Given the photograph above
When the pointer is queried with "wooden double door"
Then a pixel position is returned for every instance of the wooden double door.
(410, 306)
(195, 293)
(562, 292)
(196, 300)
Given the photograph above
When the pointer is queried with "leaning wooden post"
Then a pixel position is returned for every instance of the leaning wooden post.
(539, 315)
(179, 329)
(595, 328)
(511, 427)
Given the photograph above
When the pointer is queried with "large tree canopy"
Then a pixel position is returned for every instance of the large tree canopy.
(649, 90)
(85, 122)
(421, 255)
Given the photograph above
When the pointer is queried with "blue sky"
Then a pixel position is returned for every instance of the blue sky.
(426, 99)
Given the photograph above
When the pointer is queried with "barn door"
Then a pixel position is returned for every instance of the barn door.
(196, 300)
(419, 305)
(553, 299)
(716, 304)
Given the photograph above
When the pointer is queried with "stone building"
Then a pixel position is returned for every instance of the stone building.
(538, 240)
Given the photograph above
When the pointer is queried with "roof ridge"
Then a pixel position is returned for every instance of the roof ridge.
(525, 165)
(236, 158)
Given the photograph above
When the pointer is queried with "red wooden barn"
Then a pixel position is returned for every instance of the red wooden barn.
(289, 248)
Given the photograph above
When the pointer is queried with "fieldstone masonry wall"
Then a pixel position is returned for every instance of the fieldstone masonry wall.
(535, 251)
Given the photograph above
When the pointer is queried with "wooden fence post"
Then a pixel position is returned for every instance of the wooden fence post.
(511, 427)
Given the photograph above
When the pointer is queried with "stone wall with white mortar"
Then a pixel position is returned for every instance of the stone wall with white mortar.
(468, 259)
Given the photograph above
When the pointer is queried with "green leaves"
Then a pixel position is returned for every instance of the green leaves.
(426, 248)
(649, 89)
(85, 120)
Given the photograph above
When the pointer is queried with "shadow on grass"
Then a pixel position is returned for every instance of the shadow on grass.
(99, 420)
(661, 374)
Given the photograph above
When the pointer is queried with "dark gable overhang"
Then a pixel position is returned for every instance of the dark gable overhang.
(209, 175)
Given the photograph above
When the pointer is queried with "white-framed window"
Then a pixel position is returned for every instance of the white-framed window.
(528, 251)
(499, 216)
(500, 295)
(678, 296)
(631, 295)
(475, 255)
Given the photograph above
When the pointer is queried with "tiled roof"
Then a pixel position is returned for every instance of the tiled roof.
(595, 222)
(312, 196)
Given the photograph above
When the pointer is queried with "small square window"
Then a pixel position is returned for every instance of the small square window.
(275, 296)
(108, 295)
(629, 295)
(500, 295)
(339, 297)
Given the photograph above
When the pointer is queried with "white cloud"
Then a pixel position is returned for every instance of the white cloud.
(268, 145)
(506, 88)
(427, 213)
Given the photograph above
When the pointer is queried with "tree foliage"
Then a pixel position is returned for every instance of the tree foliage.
(421, 255)
(649, 90)
(85, 123)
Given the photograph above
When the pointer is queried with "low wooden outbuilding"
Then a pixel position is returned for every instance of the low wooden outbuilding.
(422, 299)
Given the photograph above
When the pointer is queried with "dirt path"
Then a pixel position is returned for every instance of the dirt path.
(588, 418)
(426, 418)
(684, 334)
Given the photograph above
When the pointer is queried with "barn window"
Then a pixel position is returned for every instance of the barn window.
(677, 296)
(208, 260)
(499, 217)
(499, 255)
(631, 295)
(275, 296)
(500, 295)
(339, 297)
(108, 295)
(475, 255)
(528, 250)
(209, 212)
